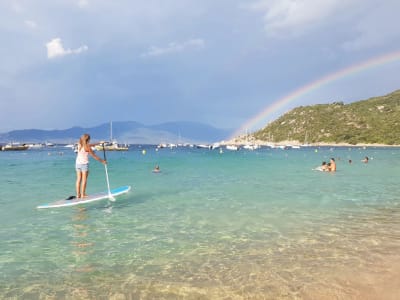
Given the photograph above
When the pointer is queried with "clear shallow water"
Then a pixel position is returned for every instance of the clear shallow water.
(237, 225)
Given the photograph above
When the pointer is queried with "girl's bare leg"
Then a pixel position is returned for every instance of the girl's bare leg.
(85, 175)
(78, 184)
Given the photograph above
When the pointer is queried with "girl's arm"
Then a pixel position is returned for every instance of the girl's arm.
(95, 156)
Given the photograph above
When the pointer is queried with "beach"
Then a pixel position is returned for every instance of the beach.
(241, 224)
(246, 140)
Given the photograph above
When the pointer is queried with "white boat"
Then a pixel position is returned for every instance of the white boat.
(203, 146)
(284, 147)
(112, 145)
(35, 146)
(251, 146)
(14, 147)
(49, 144)
(232, 147)
(216, 146)
(163, 145)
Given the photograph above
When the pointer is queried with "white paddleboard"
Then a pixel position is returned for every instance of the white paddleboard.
(90, 198)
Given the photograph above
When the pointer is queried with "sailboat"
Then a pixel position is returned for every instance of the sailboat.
(112, 145)
(306, 144)
(249, 145)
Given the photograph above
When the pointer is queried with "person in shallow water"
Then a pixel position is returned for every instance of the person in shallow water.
(82, 164)
(332, 165)
(323, 167)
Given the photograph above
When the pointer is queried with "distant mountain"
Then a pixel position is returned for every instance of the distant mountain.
(372, 121)
(125, 132)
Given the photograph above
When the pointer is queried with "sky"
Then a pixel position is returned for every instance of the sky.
(66, 63)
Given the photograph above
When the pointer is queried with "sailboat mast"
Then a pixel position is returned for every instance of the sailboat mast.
(111, 137)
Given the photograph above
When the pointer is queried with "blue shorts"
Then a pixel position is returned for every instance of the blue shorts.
(82, 167)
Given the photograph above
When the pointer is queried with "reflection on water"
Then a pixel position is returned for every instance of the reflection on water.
(82, 245)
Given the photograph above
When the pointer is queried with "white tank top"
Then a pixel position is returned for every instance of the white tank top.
(82, 157)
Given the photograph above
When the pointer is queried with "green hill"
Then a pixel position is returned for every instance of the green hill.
(372, 121)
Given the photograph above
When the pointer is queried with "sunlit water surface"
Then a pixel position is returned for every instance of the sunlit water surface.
(234, 225)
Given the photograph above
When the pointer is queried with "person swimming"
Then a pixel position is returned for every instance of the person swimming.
(323, 167)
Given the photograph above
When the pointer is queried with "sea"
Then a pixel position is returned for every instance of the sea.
(213, 224)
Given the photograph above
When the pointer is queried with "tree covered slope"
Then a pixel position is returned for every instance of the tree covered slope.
(372, 121)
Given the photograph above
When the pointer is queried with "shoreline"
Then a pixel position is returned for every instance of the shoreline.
(242, 141)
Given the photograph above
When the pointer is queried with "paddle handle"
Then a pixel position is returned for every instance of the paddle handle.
(104, 152)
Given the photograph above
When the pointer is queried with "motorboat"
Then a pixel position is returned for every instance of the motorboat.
(251, 146)
(112, 146)
(14, 147)
(232, 147)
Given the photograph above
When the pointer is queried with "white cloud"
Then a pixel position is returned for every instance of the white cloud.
(30, 24)
(175, 48)
(354, 25)
(293, 17)
(55, 49)
(83, 3)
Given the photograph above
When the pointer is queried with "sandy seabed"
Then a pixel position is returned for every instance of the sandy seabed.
(213, 280)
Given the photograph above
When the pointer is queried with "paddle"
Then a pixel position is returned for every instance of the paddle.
(110, 197)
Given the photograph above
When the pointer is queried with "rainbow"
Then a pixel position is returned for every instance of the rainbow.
(281, 103)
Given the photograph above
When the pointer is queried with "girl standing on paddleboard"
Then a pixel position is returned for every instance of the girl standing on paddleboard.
(82, 164)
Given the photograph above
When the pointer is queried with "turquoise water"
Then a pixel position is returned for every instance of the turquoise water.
(238, 225)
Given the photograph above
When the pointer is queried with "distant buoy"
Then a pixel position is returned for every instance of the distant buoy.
(143, 152)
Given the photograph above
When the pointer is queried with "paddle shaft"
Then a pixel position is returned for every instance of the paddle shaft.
(108, 181)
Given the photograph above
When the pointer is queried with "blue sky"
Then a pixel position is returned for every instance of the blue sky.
(71, 63)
